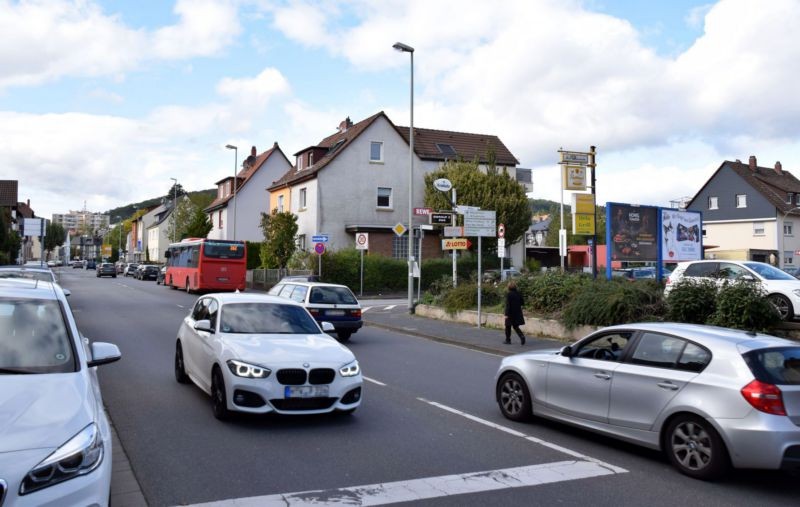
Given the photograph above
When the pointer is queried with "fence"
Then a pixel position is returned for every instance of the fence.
(264, 279)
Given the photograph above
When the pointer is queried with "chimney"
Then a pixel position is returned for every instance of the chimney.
(274, 145)
(346, 124)
(778, 167)
(752, 163)
(253, 152)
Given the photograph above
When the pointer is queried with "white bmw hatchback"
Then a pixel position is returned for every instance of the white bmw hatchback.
(257, 353)
(55, 439)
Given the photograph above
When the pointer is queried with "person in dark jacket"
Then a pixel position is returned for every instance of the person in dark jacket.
(513, 313)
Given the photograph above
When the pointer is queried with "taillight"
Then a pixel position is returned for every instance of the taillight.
(356, 313)
(764, 397)
(314, 312)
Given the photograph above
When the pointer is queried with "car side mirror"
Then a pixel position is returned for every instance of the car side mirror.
(204, 325)
(104, 353)
(67, 292)
(328, 327)
(748, 278)
(566, 351)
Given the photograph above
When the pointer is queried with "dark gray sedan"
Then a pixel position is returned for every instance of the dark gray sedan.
(709, 397)
(106, 269)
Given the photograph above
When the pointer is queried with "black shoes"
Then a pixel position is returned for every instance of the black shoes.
(507, 342)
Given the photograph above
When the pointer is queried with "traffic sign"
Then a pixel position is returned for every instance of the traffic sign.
(480, 223)
(462, 210)
(454, 230)
(501, 231)
(362, 241)
(455, 244)
(399, 229)
(421, 212)
(501, 251)
(319, 238)
(501, 242)
(319, 248)
(441, 218)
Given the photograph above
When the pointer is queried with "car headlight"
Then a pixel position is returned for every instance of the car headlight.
(350, 370)
(79, 456)
(246, 370)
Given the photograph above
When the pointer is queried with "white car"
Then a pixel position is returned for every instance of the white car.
(781, 288)
(55, 439)
(258, 353)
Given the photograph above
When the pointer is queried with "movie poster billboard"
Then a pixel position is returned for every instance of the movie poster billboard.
(681, 235)
(632, 232)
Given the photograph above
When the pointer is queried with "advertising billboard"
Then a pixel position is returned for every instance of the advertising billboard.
(632, 232)
(681, 235)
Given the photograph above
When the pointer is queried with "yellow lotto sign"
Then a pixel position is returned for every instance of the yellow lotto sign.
(455, 244)
(106, 252)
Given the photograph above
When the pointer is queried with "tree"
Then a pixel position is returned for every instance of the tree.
(176, 191)
(575, 239)
(55, 235)
(279, 244)
(494, 190)
(10, 241)
(200, 224)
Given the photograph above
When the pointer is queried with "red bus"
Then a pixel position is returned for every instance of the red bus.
(199, 264)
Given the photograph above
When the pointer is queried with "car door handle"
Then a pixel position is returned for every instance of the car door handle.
(601, 375)
(667, 385)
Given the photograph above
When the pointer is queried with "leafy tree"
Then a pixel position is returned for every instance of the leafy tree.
(10, 241)
(200, 224)
(575, 239)
(494, 190)
(55, 235)
(176, 191)
(279, 244)
(180, 218)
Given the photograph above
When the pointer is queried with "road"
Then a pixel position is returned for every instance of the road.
(428, 429)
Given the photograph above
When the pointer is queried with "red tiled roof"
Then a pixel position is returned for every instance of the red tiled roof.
(243, 176)
(467, 147)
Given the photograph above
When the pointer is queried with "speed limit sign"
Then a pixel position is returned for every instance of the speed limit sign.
(362, 241)
(501, 231)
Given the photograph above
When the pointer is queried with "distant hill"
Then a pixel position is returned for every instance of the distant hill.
(128, 210)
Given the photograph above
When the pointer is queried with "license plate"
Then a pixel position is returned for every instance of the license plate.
(305, 392)
(335, 313)
(222, 279)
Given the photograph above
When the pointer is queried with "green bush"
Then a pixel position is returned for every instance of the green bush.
(692, 301)
(253, 259)
(743, 305)
(465, 297)
(549, 292)
(607, 302)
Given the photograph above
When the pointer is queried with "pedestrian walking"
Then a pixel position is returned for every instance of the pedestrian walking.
(513, 313)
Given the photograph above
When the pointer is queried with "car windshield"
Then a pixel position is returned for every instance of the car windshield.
(266, 318)
(779, 366)
(34, 338)
(769, 272)
(332, 296)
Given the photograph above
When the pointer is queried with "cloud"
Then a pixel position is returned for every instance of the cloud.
(205, 28)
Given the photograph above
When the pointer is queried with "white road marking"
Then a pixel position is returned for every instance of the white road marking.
(365, 309)
(374, 381)
(180, 306)
(429, 487)
(390, 307)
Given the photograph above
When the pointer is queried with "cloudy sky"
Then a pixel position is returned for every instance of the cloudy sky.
(102, 102)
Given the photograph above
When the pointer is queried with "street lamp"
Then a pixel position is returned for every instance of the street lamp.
(405, 48)
(235, 165)
(174, 209)
(119, 233)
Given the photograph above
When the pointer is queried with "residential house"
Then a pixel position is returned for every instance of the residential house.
(158, 233)
(356, 180)
(138, 251)
(750, 213)
(258, 172)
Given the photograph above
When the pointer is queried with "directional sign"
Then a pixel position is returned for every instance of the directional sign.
(480, 223)
(574, 157)
(462, 210)
(453, 231)
(455, 244)
(362, 241)
(319, 248)
(421, 212)
(319, 238)
(399, 229)
(441, 218)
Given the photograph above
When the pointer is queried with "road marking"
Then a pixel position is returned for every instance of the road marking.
(429, 487)
(556, 447)
(390, 307)
(366, 308)
(374, 381)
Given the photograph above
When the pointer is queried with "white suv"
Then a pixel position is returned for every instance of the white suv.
(782, 289)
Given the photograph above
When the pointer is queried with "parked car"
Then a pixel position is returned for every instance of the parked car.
(326, 302)
(300, 278)
(644, 273)
(147, 272)
(56, 445)
(120, 267)
(258, 353)
(130, 268)
(77, 264)
(497, 275)
(90, 264)
(33, 272)
(106, 269)
(792, 270)
(781, 288)
(708, 397)
(162, 275)
(51, 264)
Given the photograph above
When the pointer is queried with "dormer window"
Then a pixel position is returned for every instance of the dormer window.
(300, 163)
(790, 198)
(446, 149)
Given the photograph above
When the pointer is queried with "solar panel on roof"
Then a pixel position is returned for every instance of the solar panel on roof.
(446, 149)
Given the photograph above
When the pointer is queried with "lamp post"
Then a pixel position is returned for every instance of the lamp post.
(174, 210)
(235, 165)
(119, 233)
(782, 231)
(405, 48)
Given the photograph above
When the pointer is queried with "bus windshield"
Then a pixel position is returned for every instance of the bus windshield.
(219, 250)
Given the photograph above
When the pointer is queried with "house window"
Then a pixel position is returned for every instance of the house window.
(376, 151)
(758, 228)
(741, 200)
(400, 246)
(301, 242)
(790, 198)
(788, 257)
(219, 220)
(384, 197)
(787, 228)
(712, 203)
(300, 163)
(280, 204)
(302, 198)
(310, 158)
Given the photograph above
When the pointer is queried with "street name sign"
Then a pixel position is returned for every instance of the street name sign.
(319, 238)
(441, 218)
(574, 157)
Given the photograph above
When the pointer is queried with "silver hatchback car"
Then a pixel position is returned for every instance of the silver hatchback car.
(709, 397)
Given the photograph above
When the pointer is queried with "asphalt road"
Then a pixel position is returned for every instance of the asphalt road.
(428, 413)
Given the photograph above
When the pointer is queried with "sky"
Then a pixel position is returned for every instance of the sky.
(103, 102)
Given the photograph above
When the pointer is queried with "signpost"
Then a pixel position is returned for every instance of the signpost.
(362, 243)
(573, 177)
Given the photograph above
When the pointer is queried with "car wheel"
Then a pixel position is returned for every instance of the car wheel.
(180, 369)
(695, 448)
(514, 397)
(343, 336)
(783, 305)
(219, 400)
(113, 276)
